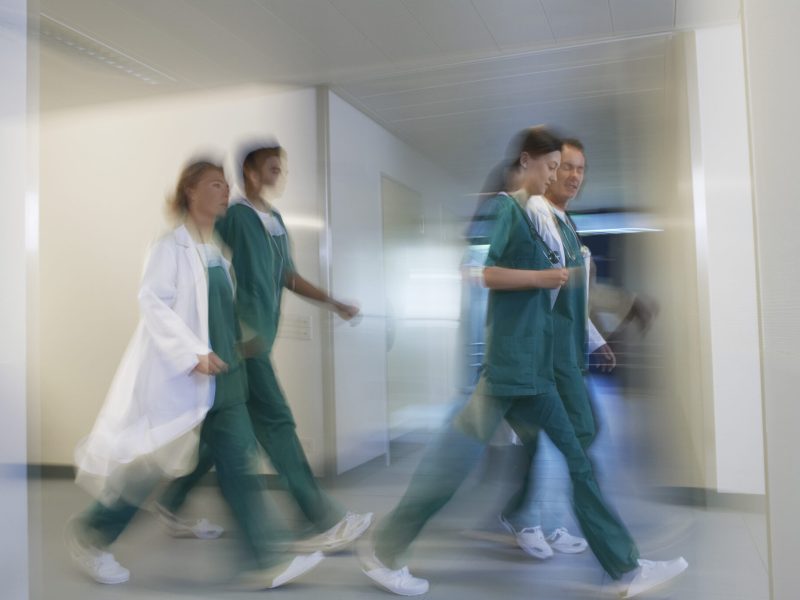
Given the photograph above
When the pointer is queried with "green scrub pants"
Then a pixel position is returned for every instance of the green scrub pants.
(539, 502)
(227, 437)
(275, 430)
(455, 452)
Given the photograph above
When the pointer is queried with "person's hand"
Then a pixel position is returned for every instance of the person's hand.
(605, 359)
(552, 278)
(210, 364)
(345, 311)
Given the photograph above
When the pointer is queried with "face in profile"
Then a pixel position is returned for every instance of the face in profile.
(569, 176)
(272, 176)
(209, 196)
(539, 172)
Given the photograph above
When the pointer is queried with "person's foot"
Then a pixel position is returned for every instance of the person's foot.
(345, 532)
(182, 528)
(398, 581)
(279, 575)
(530, 539)
(650, 575)
(563, 541)
(97, 564)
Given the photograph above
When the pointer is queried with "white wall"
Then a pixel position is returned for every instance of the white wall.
(771, 50)
(14, 233)
(360, 152)
(105, 174)
(726, 255)
(706, 277)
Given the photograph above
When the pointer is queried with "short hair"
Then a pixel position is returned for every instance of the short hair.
(256, 157)
(178, 203)
(575, 143)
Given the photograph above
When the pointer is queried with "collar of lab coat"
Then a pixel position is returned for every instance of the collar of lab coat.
(184, 239)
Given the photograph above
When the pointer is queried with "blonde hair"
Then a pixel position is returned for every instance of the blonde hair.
(178, 202)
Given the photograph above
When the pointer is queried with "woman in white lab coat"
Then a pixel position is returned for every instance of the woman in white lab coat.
(179, 382)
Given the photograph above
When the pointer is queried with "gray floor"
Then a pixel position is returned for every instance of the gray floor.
(463, 553)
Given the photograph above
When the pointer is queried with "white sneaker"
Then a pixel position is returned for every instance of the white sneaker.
(97, 564)
(267, 579)
(345, 532)
(530, 539)
(563, 541)
(202, 529)
(398, 581)
(651, 575)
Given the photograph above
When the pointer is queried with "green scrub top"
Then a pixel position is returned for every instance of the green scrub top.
(519, 324)
(569, 311)
(224, 334)
(262, 262)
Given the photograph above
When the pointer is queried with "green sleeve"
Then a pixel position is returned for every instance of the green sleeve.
(242, 231)
(502, 220)
(287, 243)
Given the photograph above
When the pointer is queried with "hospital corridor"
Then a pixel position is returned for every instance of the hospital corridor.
(363, 298)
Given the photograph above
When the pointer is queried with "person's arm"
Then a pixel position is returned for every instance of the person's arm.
(503, 278)
(306, 289)
(496, 277)
(603, 355)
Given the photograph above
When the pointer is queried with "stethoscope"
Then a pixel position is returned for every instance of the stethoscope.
(550, 254)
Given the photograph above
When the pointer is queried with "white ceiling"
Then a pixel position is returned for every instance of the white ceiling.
(454, 78)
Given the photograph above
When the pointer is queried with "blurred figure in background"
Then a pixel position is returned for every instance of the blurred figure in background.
(181, 369)
(262, 259)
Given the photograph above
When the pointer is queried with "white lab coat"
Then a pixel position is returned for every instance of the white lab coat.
(156, 401)
(543, 215)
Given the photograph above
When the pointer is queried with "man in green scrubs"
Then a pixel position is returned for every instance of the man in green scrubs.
(258, 239)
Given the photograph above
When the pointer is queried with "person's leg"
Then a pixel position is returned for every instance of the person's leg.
(606, 535)
(229, 436)
(443, 468)
(524, 507)
(538, 500)
(275, 430)
(575, 397)
(126, 491)
(174, 495)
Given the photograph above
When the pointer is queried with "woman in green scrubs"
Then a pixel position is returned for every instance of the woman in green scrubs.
(517, 384)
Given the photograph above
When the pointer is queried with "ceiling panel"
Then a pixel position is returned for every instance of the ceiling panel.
(390, 26)
(642, 15)
(571, 19)
(641, 73)
(527, 63)
(691, 13)
(321, 25)
(515, 23)
(454, 25)
(110, 25)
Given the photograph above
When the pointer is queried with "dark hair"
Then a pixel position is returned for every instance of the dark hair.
(575, 143)
(535, 141)
(254, 159)
(178, 203)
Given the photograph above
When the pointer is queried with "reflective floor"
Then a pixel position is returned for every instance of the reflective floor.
(463, 552)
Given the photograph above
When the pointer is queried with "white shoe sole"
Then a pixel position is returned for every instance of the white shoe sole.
(383, 586)
(332, 547)
(76, 551)
(660, 585)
